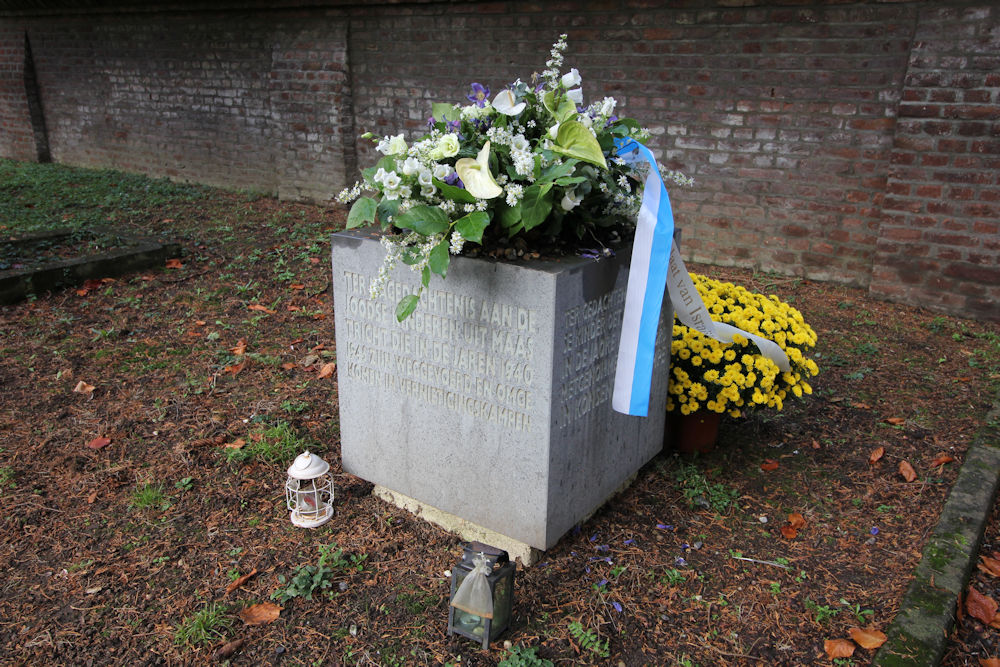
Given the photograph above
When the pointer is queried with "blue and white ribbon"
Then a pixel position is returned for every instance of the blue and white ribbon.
(656, 264)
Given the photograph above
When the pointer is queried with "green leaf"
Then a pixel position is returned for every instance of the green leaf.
(565, 110)
(439, 258)
(557, 171)
(575, 140)
(425, 276)
(362, 212)
(406, 306)
(511, 216)
(387, 208)
(454, 193)
(444, 111)
(571, 180)
(425, 220)
(471, 226)
(536, 205)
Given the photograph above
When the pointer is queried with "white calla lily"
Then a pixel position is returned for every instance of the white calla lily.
(476, 176)
(504, 103)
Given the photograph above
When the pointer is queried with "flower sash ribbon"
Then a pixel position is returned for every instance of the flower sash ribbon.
(657, 263)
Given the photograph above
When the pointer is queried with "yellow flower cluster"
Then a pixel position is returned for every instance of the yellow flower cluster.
(734, 377)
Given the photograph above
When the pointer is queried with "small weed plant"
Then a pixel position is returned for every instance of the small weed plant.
(520, 656)
(309, 580)
(589, 640)
(699, 492)
(204, 626)
(149, 496)
(822, 613)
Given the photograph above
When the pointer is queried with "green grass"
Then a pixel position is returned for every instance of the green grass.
(278, 443)
(36, 197)
(204, 626)
(149, 496)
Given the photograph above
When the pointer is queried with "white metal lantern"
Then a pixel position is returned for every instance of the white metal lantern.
(309, 491)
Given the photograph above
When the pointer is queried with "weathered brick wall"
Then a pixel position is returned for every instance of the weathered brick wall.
(16, 136)
(939, 242)
(815, 131)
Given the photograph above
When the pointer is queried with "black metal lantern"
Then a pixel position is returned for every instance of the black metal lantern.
(494, 567)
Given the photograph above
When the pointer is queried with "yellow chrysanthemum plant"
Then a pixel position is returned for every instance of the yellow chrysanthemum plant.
(732, 378)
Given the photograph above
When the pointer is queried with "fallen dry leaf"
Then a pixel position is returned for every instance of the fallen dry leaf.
(768, 465)
(861, 406)
(990, 566)
(327, 370)
(92, 497)
(297, 286)
(241, 347)
(907, 471)
(174, 264)
(83, 388)
(239, 581)
(941, 459)
(989, 662)
(869, 639)
(838, 648)
(228, 649)
(876, 454)
(895, 421)
(260, 613)
(980, 607)
(235, 444)
(788, 532)
(234, 369)
(261, 308)
(99, 442)
(796, 520)
(288, 366)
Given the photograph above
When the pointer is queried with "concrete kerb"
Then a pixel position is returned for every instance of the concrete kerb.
(918, 635)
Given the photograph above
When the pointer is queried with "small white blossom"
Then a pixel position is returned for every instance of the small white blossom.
(456, 243)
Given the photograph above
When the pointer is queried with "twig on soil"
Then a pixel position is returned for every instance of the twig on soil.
(764, 562)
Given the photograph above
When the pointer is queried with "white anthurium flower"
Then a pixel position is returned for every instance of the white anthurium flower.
(571, 78)
(570, 200)
(554, 131)
(504, 103)
(576, 95)
(476, 176)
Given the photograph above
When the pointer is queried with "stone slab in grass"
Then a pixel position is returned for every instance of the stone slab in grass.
(45, 261)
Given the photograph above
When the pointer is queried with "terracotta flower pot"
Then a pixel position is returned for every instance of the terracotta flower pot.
(696, 432)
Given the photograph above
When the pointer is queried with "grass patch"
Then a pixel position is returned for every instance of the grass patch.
(271, 444)
(205, 626)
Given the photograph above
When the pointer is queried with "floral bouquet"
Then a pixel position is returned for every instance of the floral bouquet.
(531, 171)
(734, 377)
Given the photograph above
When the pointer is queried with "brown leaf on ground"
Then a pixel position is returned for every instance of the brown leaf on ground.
(838, 648)
(867, 638)
(980, 607)
(239, 581)
(174, 264)
(907, 471)
(788, 532)
(261, 308)
(235, 444)
(768, 465)
(83, 388)
(989, 662)
(234, 369)
(241, 347)
(941, 459)
(227, 650)
(876, 455)
(260, 614)
(990, 566)
(327, 370)
(99, 442)
(297, 286)
(895, 421)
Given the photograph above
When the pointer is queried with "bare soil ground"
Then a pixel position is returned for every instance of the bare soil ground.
(208, 376)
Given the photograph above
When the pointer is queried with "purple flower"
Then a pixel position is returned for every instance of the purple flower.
(874, 530)
(680, 562)
(617, 606)
(602, 582)
(590, 253)
(479, 94)
(587, 569)
(593, 538)
(430, 122)
(629, 542)
(685, 546)
(602, 547)
(454, 125)
(452, 179)
(664, 526)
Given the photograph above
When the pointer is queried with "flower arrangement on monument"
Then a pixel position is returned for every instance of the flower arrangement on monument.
(531, 170)
(732, 378)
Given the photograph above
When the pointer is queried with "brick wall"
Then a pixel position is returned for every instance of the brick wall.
(939, 243)
(852, 142)
(17, 139)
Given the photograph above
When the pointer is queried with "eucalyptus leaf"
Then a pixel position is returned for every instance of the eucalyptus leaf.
(406, 306)
(362, 212)
(472, 225)
(439, 258)
(454, 193)
(575, 140)
(536, 205)
(425, 220)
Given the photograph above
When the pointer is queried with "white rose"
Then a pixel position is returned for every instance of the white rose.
(397, 145)
(447, 146)
(572, 78)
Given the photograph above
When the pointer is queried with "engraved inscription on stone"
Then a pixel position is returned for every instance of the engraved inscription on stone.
(468, 355)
